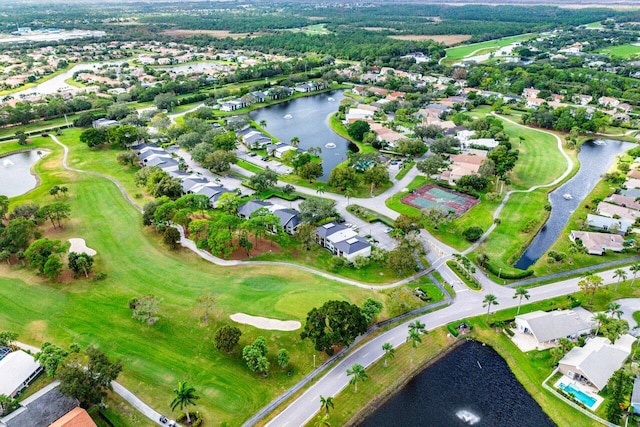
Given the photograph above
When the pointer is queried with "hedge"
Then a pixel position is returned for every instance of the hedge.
(508, 274)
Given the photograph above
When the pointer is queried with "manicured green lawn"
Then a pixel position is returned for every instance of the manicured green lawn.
(459, 52)
(178, 347)
(623, 50)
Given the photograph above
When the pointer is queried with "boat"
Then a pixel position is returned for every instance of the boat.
(567, 196)
(331, 99)
(6, 163)
(288, 117)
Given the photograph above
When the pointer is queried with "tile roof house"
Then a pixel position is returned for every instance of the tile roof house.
(77, 417)
(596, 362)
(598, 243)
(41, 409)
(624, 201)
(615, 211)
(553, 325)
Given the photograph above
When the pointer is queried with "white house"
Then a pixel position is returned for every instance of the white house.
(618, 226)
(342, 241)
(17, 370)
(596, 362)
(551, 326)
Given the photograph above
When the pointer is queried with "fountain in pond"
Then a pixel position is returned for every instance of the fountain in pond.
(7, 163)
(288, 117)
(331, 99)
(330, 145)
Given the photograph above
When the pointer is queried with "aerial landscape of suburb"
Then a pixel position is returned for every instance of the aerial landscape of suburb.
(293, 213)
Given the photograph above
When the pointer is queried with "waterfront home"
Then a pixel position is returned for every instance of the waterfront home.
(596, 362)
(598, 243)
(548, 327)
(627, 202)
(615, 211)
(618, 226)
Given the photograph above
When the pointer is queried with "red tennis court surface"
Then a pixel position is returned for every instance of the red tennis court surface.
(431, 195)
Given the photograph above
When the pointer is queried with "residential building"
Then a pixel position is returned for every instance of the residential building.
(104, 123)
(530, 93)
(17, 370)
(77, 417)
(618, 226)
(596, 362)
(289, 218)
(41, 409)
(624, 201)
(598, 243)
(550, 326)
(614, 211)
(607, 101)
(342, 241)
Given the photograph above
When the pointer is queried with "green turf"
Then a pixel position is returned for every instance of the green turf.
(623, 50)
(459, 52)
(178, 347)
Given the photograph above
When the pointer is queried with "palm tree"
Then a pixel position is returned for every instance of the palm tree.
(521, 292)
(621, 275)
(635, 268)
(589, 285)
(348, 192)
(389, 352)
(326, 403)
(185, 396)
(417, 326)
(600, 318)
(614, 310)
(357, 373)
(295, 141)
(322, 421)
(263, 123)
(488, 301)
(414, 339)
(319, 189)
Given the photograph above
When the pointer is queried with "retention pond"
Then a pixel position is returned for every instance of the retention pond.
(15, 173)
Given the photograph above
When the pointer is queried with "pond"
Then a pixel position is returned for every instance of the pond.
(472, 385)
(15, 173)
(308, 119)
(596, 157)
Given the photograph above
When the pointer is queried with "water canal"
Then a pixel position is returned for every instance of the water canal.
(596, 157)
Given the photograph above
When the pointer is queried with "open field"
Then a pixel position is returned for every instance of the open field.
(178, 347)
(459, 52)
(312, 30)
(218, 34)
(623, 50)
(447, 40)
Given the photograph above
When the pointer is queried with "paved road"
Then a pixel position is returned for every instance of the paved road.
(628, 307)
(467, 304)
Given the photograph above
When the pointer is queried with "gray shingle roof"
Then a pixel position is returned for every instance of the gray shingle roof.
(251, 206)
(352, 245)
(328, 229)
(41, 409)
(288, 217)
(555, 324)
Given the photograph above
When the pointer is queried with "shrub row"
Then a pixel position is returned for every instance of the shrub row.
(465, 275)
(508, 274)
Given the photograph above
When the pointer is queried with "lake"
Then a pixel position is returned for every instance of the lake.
(471, 385)
(15, 173)
(596, 157)
(308, 119)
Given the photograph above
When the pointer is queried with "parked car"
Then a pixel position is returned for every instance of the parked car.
(251, 154)
(163, 419)
(265, 159)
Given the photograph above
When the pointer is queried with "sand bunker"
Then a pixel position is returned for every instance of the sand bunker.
(265, 323)
(79, 246)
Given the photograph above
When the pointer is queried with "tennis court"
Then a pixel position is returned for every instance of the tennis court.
(433, 196)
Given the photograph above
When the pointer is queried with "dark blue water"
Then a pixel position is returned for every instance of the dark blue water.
(472, 382)
(596, 157)
(310, 122)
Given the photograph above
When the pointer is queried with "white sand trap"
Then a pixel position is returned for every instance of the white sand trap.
(265, 323)
(79, 246)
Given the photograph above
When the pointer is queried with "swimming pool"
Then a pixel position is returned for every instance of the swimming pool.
(587, 400)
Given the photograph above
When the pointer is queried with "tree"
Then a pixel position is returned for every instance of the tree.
(55, 212)
(621, 274)
(171, 237)
(472, 182)
(343, 177)
(432, 165)
(283, 358)
(87, 376)
(185, 397)
(411, 147)
(7, 405)
(357, 374)
(18, 234)
(376, 176)
(389, 352)
(488, 301)
(370, 309)
(635, 268)
(4, 206)
(256, 356)
(263, 123)
(165, 101)
(94, 137)
(226, 338)
(473, 234)
(5, 255)
(619, 387)
(38, 252)
(263, 180)
(590, 285)
(50, 357)
(53, 267)
(226, 141)
(80, 262)
(145, 308)
(613, 309)
(336, 323)
(357, 129)
(612, 329)
(599, 318)
(127, 158)
(295, 141)
(314, 209)
(414, 339)
(310, 171)
(521, 292)
(7, 338)
(326, 403)
(306, 235)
